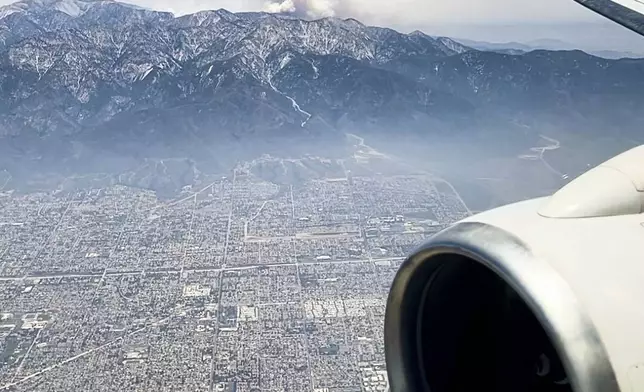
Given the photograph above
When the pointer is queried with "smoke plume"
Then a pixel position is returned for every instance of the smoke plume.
(303, 8)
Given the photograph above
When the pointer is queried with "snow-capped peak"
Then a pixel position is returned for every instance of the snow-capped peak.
(73, 8)
(12, 9)
(70, 7)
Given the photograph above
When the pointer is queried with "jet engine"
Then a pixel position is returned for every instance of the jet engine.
(542, 295)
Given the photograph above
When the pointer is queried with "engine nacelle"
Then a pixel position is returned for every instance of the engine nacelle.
(542, 295)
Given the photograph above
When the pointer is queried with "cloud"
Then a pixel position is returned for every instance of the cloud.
(396, 12)
(284, 6)
(416, 12)
(305, 8)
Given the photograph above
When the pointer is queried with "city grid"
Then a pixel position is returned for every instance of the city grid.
(238, 285)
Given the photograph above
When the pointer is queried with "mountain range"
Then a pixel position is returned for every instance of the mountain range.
(81, 79)
(545, 44)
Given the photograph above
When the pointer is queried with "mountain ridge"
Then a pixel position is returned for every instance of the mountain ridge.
(83, 55)
(547, 44)
(122, 81)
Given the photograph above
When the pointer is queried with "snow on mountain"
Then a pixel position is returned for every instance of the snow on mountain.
(73, 8)
(10, 9)
(82, 67)
(108, 46)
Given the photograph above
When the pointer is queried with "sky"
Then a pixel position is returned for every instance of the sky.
(486, 20)
(401, 12)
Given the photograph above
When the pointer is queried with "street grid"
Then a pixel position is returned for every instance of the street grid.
(239, 285)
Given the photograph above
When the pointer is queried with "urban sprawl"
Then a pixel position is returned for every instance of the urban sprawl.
(239, 285)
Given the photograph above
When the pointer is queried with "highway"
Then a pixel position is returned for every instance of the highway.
(177, 271)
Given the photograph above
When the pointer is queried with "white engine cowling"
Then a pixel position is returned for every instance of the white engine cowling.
(542, 295)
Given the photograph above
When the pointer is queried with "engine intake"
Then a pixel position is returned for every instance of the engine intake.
(466, 313)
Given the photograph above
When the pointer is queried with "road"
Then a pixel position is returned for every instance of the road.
(257, 214)
(6, 182)
(215, 337)
(185, 248)
(173, 271)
